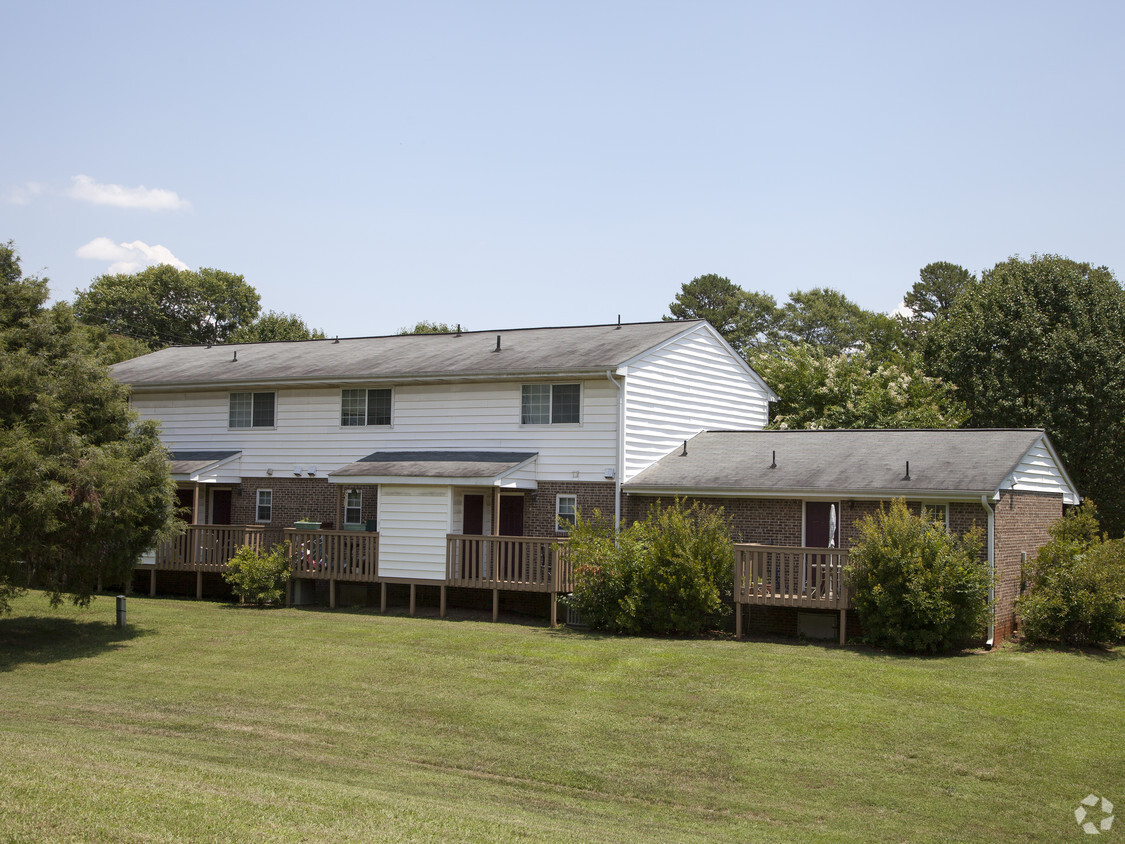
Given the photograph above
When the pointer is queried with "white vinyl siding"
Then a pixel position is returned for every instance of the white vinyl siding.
(482, 416)
(413, 524)
(1038, 471)
(690, 384)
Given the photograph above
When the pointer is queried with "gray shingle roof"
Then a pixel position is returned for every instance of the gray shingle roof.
(523, 351)
(189, 462)
(434, 464)
(842, 461)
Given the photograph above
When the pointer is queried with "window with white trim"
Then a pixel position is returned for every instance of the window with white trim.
(264, 511)
(936, 513)
(550, 404)
(353, 507)
(365, 407)
(566, 512)
(251, 410)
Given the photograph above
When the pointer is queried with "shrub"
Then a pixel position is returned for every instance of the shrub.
(1077, 585)
(916, 586)
(667, 574)
(256, 577)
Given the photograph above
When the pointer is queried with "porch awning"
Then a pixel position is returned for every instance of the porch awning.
(206, 466)
(506, 469)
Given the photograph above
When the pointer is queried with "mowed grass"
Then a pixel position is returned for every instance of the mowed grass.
(206, 721)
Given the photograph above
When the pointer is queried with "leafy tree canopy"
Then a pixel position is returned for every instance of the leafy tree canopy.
(163, 305)
(1041, 343)
(273, 325)
(85, 486)
(824, 317)
(819, 390)
(937, 287)
(745, 319)
(424, 326)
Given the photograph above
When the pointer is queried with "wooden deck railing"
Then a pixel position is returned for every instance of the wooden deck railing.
(789, 576)
(516, 563)
(334, 554)
(205, 547)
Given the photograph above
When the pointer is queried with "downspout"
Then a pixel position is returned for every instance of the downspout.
(619, 462)
(991, 570)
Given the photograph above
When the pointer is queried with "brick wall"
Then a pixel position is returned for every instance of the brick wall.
(539, 508)
(1022, 523)
(295, 499)
(774, 521)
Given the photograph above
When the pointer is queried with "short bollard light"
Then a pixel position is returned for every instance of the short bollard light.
(120, 610)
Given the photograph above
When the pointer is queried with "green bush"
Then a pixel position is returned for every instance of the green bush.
(915, 586)
(667, 574)
(259, 578)
(1077, 585)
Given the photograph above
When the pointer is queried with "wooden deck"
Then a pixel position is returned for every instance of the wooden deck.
(200, 548)
(789, 576)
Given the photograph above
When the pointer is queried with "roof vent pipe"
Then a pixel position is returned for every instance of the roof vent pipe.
(337, 340)
(906, 477)
(773, 465)
(233, 359)
(684, 452)
(618, 323)
(458, 329)
(497, 343)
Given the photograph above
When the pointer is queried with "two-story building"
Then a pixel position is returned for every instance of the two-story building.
(457, 460)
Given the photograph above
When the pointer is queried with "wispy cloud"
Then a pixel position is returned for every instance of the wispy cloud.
(150, 199)
(128, 257)
(23, 194)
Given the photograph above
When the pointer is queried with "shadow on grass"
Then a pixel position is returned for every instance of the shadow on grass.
(1112, 654)
(43, 639)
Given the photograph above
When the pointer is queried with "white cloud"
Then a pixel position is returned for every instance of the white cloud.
(902, 310)
(154, 199)
(23, 194)
(128, 257)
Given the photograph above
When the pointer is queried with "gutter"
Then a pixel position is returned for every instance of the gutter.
(619, 462)
(991, 570)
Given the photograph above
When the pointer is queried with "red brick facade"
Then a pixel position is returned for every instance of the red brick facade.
(539, 506)
(1022, 523)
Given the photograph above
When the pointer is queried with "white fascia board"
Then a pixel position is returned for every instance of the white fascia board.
(1073, 490)
(209, 474)
(705, 326)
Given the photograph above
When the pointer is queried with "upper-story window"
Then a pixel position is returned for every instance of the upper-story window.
(252, 410)
(365, 407)
(544, 404)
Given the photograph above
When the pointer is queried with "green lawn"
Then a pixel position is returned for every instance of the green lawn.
(206, 721)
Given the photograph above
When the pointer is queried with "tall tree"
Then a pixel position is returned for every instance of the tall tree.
(745, 319)
(937, 288)
(1041, 343)
(273, 325)
(163, 306)
(820, 390)
(85, 487)
(824, 317)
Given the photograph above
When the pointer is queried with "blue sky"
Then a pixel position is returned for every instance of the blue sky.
(367, 165)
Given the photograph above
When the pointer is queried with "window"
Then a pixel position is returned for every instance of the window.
(265, 505)
(353, 507)
(365, 407)
(566, 512)
(251, 410)
(936, 513)
(544, 404)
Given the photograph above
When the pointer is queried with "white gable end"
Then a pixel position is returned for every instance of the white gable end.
(693, 382)
(1040, 470)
